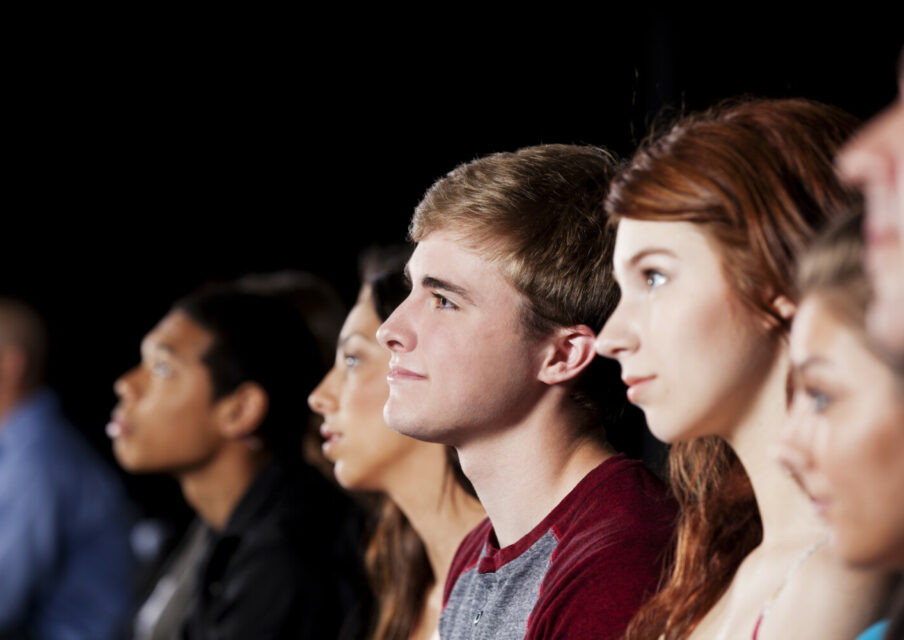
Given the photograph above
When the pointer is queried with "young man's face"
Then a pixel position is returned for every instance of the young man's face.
(461, 364)
(165, 420)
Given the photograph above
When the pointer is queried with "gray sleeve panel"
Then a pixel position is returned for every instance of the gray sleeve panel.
(497, 606)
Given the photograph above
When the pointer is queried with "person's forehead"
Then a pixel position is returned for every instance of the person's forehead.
(446, 257)
(638, 236)
(448, 252)
(181, 336)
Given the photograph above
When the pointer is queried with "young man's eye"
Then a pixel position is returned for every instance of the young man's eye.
(441, 302)
(653, 278)
(162, 370)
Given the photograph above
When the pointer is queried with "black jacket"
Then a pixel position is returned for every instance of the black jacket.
(286, 565)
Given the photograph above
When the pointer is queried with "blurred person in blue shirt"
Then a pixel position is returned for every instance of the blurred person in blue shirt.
(66, 568)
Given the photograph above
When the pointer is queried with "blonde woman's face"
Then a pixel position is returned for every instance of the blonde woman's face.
(845, 436)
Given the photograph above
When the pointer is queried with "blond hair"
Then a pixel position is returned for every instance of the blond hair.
(538, 213)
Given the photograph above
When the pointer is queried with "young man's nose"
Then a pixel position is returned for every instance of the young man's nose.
(125, 385)
(396, 333)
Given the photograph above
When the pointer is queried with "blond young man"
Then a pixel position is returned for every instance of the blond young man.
(493, 354)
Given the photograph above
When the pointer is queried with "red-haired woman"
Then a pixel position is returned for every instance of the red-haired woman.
(710, 218)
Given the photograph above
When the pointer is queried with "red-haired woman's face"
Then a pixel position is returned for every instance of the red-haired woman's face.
(693, 356)
(845, 436)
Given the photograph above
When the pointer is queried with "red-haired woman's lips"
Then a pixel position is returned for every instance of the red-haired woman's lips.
(400, 374)
(636, 386)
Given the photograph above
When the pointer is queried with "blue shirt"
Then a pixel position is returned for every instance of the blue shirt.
(66, 569)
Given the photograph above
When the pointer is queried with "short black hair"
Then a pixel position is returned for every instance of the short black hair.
(263, 339)
(383, 270)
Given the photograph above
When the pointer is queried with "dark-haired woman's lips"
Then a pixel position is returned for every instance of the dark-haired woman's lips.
(330, 438)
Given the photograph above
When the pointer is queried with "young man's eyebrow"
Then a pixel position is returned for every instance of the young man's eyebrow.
(436, 283)
(158, 347)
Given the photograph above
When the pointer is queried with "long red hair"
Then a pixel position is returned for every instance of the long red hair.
(758, 176)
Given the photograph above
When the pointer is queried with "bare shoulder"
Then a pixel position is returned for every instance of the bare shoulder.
(827, 599)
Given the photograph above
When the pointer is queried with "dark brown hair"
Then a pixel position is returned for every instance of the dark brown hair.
(758, 177)
(396, 560)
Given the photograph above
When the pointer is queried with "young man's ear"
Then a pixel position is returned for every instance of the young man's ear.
(569, 352)
(241, 412)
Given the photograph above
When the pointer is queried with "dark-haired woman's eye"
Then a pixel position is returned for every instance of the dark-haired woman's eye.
(654, 278)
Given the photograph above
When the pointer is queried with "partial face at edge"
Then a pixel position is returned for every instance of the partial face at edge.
(874, 161)
(845, 436)
(461, 365)
(693, 356)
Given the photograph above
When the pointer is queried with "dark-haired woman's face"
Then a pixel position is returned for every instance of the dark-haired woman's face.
(845, 436)
(692, 355)
(367, 454)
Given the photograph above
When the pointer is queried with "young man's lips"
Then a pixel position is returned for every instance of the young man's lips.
(636, 385)
(399, 374)
(117, 426)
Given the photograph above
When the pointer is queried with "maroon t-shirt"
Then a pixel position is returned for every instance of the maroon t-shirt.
(581, 573)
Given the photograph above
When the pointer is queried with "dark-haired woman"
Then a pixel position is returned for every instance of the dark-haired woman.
(710, 218)
(428, 509)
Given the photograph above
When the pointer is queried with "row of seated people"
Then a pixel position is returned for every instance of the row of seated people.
(720, 275)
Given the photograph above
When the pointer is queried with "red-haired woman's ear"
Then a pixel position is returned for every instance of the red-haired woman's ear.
(784, 307)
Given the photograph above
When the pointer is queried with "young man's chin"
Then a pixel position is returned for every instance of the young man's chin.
(412, 425)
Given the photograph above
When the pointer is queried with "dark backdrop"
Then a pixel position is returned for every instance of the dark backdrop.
(150, 154)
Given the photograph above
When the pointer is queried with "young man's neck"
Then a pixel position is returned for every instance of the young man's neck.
(215, 490)
(521, 474)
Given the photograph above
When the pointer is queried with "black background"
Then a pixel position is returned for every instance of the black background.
(149, 153)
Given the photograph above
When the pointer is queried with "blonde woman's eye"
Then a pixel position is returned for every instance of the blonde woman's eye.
(351, 361)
